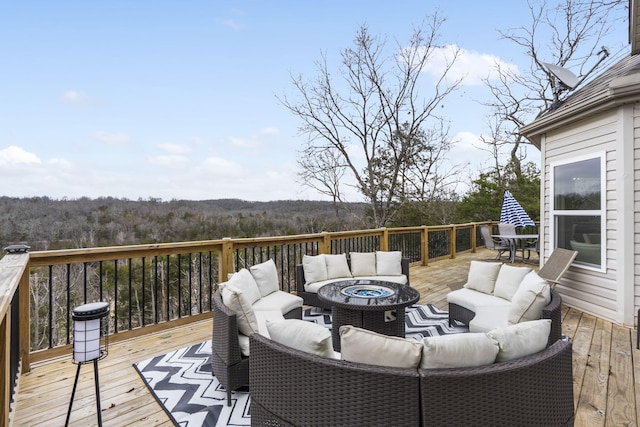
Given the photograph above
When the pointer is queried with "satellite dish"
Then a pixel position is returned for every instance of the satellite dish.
(566, 77)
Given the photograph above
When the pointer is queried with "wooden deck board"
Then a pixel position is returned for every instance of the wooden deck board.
(606, 366)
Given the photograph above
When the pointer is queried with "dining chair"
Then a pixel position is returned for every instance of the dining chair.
(494, 244)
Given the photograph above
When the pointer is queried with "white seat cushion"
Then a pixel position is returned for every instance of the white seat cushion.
(266, 276)
(471, 299)
(489, 317)
(313, 287)
(262, 318)
(401, 279)
(281, 301)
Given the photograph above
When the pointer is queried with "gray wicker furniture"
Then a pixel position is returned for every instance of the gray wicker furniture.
(550, 311)
(293, 388)
(228, 364)
(369, 313)
(311, 298)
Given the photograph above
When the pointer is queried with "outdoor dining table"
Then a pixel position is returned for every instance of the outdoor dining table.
(515, 242)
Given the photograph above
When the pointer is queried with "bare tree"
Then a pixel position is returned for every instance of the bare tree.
(368, 124)
(567, 33)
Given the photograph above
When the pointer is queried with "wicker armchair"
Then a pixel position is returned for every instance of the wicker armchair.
(229, 366)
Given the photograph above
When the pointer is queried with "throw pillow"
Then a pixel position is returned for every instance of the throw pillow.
(482, 276)
(458, 351)
(389, 263)
(244, 281)
(522, 339)
(302, 335)
(363, 263)
(236, 301)
(509, 278)
(364, 346)
(337, 266)
(266, 277)
(529, 300)
(315, 269)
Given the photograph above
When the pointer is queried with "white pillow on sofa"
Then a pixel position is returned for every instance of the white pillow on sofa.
(527, 303)
(521, 339)
(364, 346)
(363, 263)
(266, 277)
(482, 276)
(508, 280)
(337, 266)
(388, 263)
(302, 335)
(315, 269)
(244, 281)
(458, 351)
(236, 301)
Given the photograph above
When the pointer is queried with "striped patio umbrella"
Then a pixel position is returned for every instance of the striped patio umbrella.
(512, 212)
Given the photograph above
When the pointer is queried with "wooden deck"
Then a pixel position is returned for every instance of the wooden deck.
(606, 368)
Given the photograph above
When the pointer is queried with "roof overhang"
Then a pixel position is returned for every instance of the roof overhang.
(621, 90)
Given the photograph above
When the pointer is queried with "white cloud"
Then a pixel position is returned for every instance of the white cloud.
(254, 140)
(471, 66)
(13, 155)
(175, 161)
(233, 24)
(175, 148)
(112, 138)
(74, 97)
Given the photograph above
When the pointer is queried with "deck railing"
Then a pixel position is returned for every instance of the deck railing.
(155, 286)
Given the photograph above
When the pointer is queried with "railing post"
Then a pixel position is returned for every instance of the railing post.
(325, 243)
(225, 266)
(474, 233)
(25, 321)
(424, 245)
(452, 241)
(384, 239)
(5, 367)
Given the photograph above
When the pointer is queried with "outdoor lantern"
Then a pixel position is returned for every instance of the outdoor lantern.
(90, 343)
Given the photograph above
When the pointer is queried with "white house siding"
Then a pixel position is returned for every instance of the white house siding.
(636, 211)
(590, 291)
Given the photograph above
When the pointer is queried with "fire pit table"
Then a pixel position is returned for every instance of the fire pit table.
(370, 304)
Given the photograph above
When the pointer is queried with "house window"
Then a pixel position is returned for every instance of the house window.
(578, 209)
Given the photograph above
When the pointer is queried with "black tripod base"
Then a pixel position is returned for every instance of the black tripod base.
(73, 393)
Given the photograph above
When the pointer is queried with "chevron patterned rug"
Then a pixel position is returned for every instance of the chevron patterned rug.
(182, 383)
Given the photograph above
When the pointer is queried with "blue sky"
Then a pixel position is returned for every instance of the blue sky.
(177, 99)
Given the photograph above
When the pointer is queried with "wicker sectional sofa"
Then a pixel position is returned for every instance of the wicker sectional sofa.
(307, 289)
(295, 388)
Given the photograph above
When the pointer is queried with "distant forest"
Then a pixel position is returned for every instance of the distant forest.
(44, 223)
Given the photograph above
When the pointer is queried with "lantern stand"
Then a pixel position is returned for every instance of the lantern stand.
(90, 343)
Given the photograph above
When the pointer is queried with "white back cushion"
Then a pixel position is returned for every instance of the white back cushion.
(388, 263)
(315, 269)
(363, 263)
(482, 276)
(521, 339)
(364, 346)
(337, 266)
(266, 277)
(458, 351)
(508, 280)
(236, 301)
(244, 281)
(302, 335)
(530, 298)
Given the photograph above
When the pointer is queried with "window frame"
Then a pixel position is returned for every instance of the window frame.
(555, 213)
